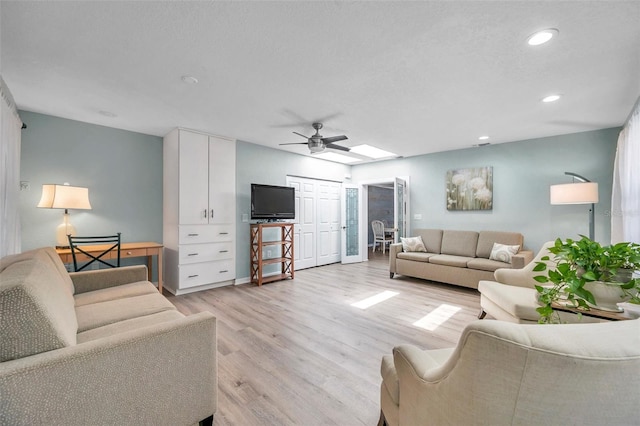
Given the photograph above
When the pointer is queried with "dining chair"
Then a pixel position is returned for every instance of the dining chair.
(379, 235)
(111, 244)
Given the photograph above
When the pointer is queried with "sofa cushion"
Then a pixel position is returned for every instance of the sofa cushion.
(128, 325)
(113, 293)
(44, 254)
(417, 256)
(413, 244)
(459, 243)
(103, 313)
(518, 302)
(36, 309)
(431, 238)
(449, 260)
(486, 264)
(503, 252)
(487, 238)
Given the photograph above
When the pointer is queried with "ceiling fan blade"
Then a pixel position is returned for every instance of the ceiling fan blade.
(333, 139)
(300, 134)
(295, 143)
(338, 147)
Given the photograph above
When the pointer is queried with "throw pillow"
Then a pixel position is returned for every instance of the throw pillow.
(503, 252)
(413, 244)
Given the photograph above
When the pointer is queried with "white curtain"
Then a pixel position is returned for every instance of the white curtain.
(625, 195)
(10, 128)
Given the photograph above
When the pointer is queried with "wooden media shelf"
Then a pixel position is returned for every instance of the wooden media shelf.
(283, 246)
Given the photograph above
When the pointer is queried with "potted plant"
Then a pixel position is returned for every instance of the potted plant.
(585, 267)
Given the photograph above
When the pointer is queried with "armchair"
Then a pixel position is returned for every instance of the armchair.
(512, 296)
(504, 373)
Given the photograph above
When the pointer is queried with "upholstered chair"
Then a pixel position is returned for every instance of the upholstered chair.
(517, 374)
(512, 296)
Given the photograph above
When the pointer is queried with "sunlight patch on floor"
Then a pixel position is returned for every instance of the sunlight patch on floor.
(437, 317)
(374, 300)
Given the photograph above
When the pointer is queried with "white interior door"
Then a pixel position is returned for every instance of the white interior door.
(304, 228)
(352, 240)
(329, 227)
(400, 208)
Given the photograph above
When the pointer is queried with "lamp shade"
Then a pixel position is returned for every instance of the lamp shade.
(64, 197)
(574, 193)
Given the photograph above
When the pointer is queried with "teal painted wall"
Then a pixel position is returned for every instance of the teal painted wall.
(259, 164)
(522, 174)
(123, 171)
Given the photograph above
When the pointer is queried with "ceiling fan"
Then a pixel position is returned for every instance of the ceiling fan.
(317, 143)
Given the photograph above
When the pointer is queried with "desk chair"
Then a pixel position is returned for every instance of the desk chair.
(379, 235)
(110, 244)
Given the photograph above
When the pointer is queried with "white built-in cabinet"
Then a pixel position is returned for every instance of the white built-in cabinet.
(198, 210)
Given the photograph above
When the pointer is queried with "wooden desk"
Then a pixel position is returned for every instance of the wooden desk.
(127, 250)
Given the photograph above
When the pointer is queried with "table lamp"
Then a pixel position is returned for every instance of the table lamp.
(64, 197)
(583, 192)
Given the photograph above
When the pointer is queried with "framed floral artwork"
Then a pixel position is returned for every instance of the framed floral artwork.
(470, 189)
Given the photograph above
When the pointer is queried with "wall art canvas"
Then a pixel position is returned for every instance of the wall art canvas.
(470, 189)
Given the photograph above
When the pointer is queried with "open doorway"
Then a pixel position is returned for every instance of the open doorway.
(386, 200)
(379, 207)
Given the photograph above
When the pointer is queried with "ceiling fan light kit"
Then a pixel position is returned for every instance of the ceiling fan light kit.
(317, 143)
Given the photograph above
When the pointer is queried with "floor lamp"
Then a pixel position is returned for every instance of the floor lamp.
(582, 192)
(64, 197)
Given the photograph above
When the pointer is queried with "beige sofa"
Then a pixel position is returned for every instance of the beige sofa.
(99, 348)
(456, 257)
(513, 374)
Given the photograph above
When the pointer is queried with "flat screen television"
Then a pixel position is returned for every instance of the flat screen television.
(269, 202)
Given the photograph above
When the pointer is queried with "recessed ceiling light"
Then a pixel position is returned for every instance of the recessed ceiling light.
(483, 138)
(551, 98)
(542, 37)
(189, 79)
(372, 151)
(107, 114)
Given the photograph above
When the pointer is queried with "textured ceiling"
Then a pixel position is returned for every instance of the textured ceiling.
(408, 77)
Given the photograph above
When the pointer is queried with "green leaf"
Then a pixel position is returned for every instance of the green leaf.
(541, 279)
(545, 310)
(586, 295)
(540, 266)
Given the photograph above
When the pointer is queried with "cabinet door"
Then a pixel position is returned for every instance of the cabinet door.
(222, 180)
(194, 178)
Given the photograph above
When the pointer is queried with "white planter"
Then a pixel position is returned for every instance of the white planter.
(607, 296)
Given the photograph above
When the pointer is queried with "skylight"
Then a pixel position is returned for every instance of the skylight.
(339, 158)
(372, 151)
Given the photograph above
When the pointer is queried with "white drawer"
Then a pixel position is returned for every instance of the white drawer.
(195, 234)
(194, 253)
(206, 273)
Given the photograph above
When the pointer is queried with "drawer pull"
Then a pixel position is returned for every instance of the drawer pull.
(192, 254)
(192, 235)
(223, 251)
(223, 271)
(192, 276)
(129, 253)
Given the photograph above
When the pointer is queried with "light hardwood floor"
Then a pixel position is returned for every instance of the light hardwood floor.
(296, 352)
